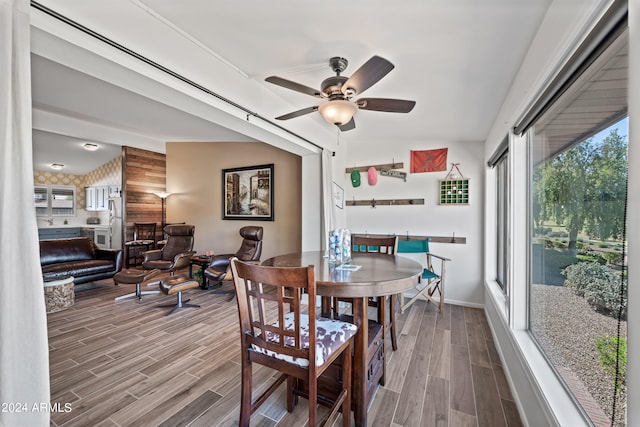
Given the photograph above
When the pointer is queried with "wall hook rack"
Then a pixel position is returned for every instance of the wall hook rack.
(393, 165)
(385, 202)
(432, 239)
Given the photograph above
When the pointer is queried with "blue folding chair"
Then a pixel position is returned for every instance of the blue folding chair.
(430, 280)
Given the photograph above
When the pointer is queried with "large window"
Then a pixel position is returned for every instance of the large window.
(502, 210)
(577, 257)
(55, 200)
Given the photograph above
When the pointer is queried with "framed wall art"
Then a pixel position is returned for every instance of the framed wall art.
(338, 196)
(247, 193)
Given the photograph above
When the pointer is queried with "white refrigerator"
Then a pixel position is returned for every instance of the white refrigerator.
(115, 222)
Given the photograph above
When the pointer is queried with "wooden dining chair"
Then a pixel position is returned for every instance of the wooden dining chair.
(144, 239)
(276, 332)
(387, 245)
(384, 245)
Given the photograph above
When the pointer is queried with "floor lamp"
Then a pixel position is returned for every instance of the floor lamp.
(163, 195)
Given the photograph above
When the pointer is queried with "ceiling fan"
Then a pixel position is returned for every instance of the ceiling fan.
(337, 91)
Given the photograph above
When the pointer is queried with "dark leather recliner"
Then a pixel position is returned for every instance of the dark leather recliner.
(250, 250)
(176, 254)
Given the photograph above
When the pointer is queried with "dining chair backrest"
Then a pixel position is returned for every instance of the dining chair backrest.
(144, 231)
(144, 239)
(386, 245)
(278, 330)
(372, 244)
(262, 291)
(413, 246)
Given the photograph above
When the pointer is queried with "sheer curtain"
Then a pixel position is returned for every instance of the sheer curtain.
(24, 354)
(328, 206)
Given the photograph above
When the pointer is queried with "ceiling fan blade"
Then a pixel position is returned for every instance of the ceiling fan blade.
(367, 75)
(298, 113)
(386, 104)
(294, 86)
(351, 124)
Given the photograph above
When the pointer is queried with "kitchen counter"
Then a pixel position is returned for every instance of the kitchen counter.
(92, 226)
(63, 232)
(67, 231)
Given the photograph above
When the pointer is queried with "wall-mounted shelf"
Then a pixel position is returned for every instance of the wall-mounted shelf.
(378, 167)
(385, 202)
(454, 189)
(434, 239)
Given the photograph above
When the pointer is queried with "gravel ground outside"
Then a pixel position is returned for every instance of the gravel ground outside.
(566, 327)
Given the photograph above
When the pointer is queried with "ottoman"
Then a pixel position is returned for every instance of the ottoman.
(175, 285)
(133, 276)
(59, 294)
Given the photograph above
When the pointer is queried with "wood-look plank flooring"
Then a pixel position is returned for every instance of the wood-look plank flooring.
(129, 364)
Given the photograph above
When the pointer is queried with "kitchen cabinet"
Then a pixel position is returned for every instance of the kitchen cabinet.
(90, 198)
(102, 198)
(55, 200)
(97, 198)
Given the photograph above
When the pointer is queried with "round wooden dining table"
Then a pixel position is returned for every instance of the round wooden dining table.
(370, 275)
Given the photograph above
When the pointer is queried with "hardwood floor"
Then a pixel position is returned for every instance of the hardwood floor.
(128, 364)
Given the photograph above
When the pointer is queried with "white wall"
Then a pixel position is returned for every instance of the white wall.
(194, 177)
(464, 273)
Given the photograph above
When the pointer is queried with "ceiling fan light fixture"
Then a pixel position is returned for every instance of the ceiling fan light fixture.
(338, 112)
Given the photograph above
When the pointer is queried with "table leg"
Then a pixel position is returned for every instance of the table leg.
(361, 345)
(325, 306)
(204, 284)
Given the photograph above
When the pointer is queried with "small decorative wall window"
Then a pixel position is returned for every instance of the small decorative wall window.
(454, 188)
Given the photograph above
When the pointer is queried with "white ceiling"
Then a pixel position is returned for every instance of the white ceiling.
(63, 91)
(455, 59)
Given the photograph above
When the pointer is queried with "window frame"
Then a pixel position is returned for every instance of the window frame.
(542, 148)
(502, 223)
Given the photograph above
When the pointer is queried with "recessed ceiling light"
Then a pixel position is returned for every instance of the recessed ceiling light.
(56, 166)
(90, 147)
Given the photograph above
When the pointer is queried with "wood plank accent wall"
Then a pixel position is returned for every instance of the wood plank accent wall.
(144, 173)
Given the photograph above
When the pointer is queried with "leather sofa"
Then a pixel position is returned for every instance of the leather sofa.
(78, 257)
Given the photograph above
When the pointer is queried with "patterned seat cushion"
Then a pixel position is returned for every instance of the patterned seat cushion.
(139, 243)
(330, 334)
